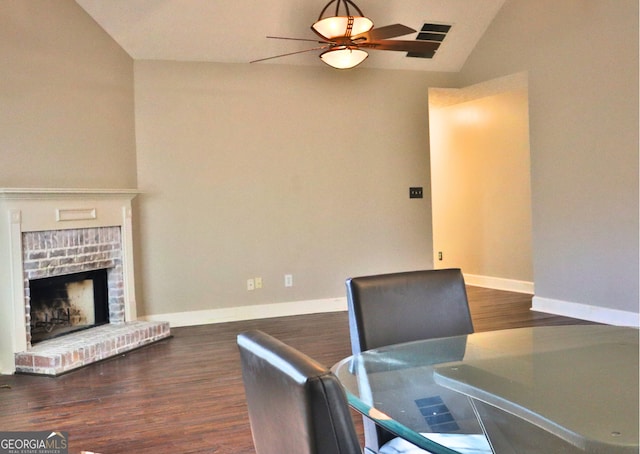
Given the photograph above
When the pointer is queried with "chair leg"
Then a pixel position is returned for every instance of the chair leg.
(374, 436)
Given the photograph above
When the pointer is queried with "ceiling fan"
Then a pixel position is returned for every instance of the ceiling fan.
(343, 37)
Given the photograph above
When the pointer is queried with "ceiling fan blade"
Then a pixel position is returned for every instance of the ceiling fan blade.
(301, 39)
(291, 53)
(402, 46)
(388, 31)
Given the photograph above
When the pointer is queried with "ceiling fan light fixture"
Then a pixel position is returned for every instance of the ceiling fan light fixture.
(343, 57)
(344, 33)
(342, 23)
(338, 26)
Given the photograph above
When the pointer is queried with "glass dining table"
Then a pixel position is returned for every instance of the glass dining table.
(555, 389)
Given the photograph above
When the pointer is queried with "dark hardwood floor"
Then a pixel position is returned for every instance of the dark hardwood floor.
(185, 394)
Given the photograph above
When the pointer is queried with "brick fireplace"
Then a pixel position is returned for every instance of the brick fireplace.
(55, 253)
(57, 232)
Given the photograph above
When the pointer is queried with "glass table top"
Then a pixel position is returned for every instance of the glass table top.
(569, 389)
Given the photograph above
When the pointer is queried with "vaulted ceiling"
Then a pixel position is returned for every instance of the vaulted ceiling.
(235, 31)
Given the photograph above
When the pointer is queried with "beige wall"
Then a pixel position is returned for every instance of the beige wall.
(66, 109)
(480, 184)
(263, 170)
(583, 110)
(241, 181)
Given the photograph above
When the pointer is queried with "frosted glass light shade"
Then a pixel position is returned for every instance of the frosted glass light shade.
(343, 57)
(337, 26)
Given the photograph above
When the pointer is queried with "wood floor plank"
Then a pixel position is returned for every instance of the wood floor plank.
(185, 394)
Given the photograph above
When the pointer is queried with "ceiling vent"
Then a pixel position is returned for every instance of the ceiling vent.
(430, 32)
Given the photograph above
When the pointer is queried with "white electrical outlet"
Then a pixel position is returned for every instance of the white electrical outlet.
(251, 285)
(288, 280)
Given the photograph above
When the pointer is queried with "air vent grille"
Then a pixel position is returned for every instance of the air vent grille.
(430, 32)
(436, 28)
(437, 415)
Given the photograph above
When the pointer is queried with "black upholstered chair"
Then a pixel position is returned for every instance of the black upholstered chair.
(297, 405)
(392, 308)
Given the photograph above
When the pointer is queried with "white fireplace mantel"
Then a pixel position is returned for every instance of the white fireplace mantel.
(33, 209)
(46, 193)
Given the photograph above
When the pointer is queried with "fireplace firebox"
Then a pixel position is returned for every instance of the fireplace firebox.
(67, 303)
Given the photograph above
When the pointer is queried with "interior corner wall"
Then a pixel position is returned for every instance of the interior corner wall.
(481, 195)
(66, 115)
(265, 170)
(583, 110)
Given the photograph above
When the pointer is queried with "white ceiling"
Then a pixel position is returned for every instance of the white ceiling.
(234, 31)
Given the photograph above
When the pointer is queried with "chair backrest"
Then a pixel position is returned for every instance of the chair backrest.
(392, 308)
(296, 405)
(401, 307)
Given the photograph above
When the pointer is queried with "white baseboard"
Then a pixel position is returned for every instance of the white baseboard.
(498, 283)
(234, 314)
(586, 312)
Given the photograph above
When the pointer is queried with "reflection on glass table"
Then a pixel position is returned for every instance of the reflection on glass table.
(561, 389)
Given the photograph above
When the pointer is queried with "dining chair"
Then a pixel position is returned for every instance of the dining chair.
(295, 404)
(388, 309)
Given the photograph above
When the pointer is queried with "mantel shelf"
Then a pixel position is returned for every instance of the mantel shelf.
(58, 193)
